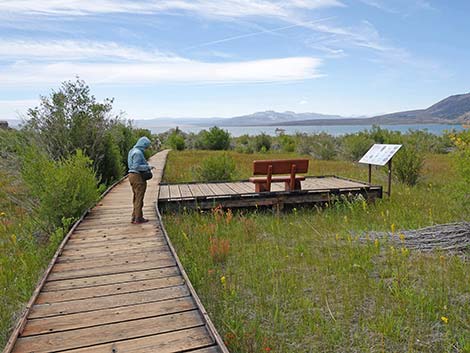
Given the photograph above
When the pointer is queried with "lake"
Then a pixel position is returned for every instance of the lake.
(334, 130)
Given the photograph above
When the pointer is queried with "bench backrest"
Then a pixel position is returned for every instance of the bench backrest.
(280, 166)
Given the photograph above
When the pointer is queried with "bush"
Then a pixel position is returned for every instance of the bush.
(321, 146)
(176, 141)
(262, 142)
(214, 139)
(217, 168)
(407, 165)
(62, 189)
(287, 143)
(356, 145)
(72, 119)
(462, 154)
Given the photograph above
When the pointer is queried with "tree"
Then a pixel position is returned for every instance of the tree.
(71, 119)
(214, 139)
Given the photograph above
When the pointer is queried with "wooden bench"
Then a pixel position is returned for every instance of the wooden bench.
(279, 166)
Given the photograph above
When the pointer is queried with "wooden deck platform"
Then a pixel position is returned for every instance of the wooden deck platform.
(242, 193)
(116, 287)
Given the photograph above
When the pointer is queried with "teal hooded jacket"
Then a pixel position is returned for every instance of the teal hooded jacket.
(136, 159)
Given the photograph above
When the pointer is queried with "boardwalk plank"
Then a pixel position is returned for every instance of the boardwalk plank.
(196, 190)
(115, 243)
(107, 316)
(175, 191)
(123, 260)
(185, 191)
(109, 289)
(205, 188)
(110, 249)
(178, 341)
(107, 270)
(164, 192)
(110, 279)
(108, 333)
(113, 254)
(90, 304)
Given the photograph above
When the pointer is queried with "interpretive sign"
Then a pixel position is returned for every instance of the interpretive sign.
(379, 154)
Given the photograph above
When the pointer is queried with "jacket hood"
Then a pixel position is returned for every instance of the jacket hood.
(143, 143)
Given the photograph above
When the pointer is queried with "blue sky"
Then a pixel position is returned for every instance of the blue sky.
(216, 58)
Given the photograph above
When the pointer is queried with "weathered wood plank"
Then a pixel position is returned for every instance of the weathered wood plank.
(111, 254)
(92, 281)
(114, 301)
(86, 239)
(164, 192)
(206, 189)
(124, 260)
(107, 316)
(110, 249)
(175, 191)
(196, 190)
(185, 191)
(107, 270)
(218, 190)
(115, 243)
(248, 188)
(109, 289)
(179, 341)
(108, 333)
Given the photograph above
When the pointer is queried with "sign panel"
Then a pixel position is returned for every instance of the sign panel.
(380, 154)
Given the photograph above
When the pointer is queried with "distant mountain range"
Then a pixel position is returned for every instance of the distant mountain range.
(451, 110)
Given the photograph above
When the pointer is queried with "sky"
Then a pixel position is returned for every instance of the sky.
(224, 58)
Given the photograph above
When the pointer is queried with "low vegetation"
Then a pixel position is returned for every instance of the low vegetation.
(308, 280)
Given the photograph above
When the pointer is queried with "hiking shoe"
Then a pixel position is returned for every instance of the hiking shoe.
(140, 220)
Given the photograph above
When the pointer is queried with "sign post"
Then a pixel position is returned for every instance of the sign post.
(380, 154)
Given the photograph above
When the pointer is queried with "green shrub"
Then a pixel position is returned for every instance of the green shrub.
(62, 189)
(214, 139)
(262, 141)
(287, 143)
(356, 145)
(217, 168)
(176, 141)
(407, 165)
(321, 146)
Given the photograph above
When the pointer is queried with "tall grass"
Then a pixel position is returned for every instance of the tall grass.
(303, 281)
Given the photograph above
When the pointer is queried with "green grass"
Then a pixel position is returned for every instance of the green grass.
(301, 281)
(24, 253)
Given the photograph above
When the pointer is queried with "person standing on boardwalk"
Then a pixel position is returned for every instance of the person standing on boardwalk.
(137, 167)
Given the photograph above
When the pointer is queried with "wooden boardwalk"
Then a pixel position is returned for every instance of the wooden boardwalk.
(242, 193)
(116, 287)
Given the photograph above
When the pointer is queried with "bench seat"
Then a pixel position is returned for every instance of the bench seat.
(279, 179)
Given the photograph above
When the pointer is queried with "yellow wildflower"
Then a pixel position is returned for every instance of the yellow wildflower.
(376, 243)
(402, 237)
(392, 227)
(223, 281)
(444, 319)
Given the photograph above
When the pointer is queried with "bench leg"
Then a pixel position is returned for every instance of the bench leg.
(261, 187)
(297, 186)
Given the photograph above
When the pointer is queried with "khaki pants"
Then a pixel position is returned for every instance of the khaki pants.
(138, 188)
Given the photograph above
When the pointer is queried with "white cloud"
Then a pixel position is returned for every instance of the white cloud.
(50, 62)
(210, 8)
(178, 71)
(76, 50)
